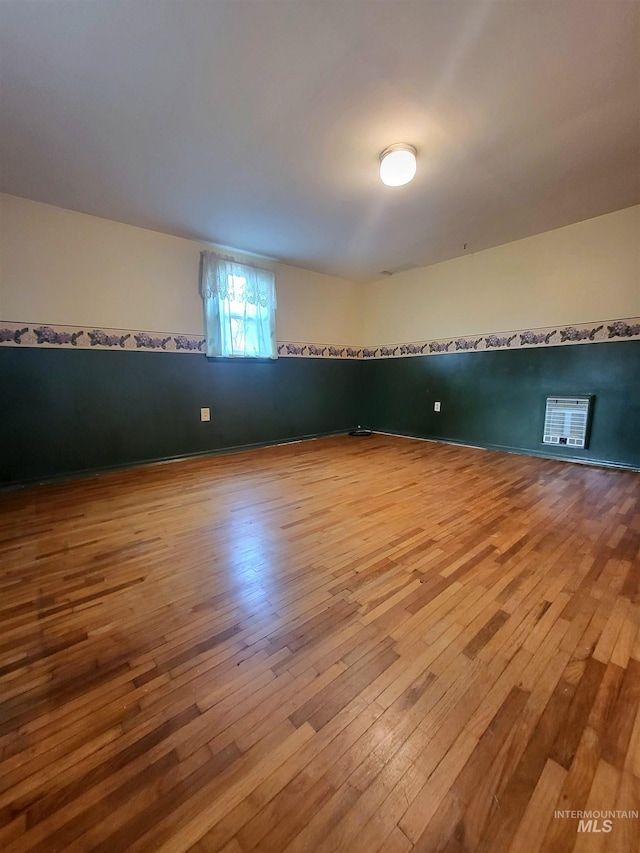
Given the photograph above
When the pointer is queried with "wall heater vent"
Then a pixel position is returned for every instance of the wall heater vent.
(566, 421)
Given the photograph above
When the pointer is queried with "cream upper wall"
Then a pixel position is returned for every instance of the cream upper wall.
(583, 272)
(316, 308)
(66, 268)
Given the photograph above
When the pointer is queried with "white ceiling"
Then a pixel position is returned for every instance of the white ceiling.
(257, 124)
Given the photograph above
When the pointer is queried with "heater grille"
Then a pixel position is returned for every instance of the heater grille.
(566, 421)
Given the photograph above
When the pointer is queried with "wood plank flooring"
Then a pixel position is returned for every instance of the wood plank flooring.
(362, 645)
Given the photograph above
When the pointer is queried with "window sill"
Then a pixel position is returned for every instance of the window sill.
(241, 358)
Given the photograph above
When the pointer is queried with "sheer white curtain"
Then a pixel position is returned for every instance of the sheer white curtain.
(239, 308)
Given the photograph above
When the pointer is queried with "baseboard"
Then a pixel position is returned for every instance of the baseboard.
(518, 451)
(239, 448)
(86, 473)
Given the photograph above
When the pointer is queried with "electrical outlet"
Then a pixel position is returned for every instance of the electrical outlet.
(205, 414)
(436, 407)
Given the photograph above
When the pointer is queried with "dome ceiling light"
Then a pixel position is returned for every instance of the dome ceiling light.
(398, 164)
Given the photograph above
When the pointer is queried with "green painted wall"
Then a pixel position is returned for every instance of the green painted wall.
(67, 411)
(497, 398)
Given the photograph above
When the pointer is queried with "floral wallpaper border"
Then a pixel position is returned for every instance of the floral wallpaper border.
(567, 335)
(88, 337)
(66, 337)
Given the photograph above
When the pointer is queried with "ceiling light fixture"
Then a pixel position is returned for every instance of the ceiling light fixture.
(398, 164)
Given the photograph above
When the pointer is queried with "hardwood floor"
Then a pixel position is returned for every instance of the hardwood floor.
(372, 644)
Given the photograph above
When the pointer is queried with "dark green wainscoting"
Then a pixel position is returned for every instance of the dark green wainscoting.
(496, 399)
(69, 411)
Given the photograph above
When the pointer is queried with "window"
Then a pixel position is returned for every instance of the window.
(239, 309)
